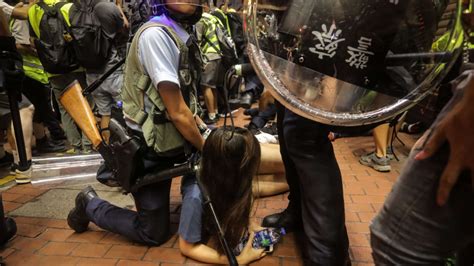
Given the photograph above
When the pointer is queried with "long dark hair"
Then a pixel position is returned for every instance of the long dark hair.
(227, 168)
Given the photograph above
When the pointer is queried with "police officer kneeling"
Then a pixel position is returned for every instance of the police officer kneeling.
(159, 105)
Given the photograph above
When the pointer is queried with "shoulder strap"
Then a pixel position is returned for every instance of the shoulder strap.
(144, 82)
(213, 45)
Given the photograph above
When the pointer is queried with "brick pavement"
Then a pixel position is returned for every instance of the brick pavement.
(43, 241)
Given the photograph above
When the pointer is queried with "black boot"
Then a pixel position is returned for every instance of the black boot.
(45, 145)
(289, 219)
(8, 230)
(77, 218)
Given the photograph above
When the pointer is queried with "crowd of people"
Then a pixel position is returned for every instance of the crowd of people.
(177, 56)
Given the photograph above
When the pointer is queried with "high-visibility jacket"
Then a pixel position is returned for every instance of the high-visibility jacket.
(209, 41)
(32, 65)
(35, 15)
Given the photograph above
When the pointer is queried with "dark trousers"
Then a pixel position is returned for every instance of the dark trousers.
(315, 184)
(150, 224)
(40, 96)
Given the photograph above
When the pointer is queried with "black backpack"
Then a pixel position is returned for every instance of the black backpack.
(226, 45)
(54, 45)
(90, 43)
(237, 31)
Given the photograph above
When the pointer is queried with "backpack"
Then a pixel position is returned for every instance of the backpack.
(90, 43)
(226, 45)
(237, 32)
(54, 48)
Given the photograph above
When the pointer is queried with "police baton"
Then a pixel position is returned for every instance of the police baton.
(96, 84)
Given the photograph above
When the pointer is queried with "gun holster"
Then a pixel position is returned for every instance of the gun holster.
(122, 158)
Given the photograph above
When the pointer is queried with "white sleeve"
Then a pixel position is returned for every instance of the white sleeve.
(159, 56)
(21, 32)
(6, 9)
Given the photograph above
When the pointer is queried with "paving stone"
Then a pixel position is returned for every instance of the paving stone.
(172, 255)
(91, 250)
(58, 260)
(58, 248)
(126, 252)
(29, 230)
(87, 237)
(267, 260)
(53, 234)
(96, 262)
(136, 263)
(27, 243)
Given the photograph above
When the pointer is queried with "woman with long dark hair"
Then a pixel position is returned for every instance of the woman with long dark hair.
(228, 165)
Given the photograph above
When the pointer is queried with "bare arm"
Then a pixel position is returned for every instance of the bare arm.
(201, 252)
(207, 254)
(119, 4)
(179, 113)
(21, 12)
(3, 25)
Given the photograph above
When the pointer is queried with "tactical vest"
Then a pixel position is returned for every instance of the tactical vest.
(210, 34)
(158, 131)
(32, 65)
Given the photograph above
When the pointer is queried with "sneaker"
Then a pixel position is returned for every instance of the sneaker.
(379, 164)
(73, 151)
(390, 154)
(86, 149)
(210, 121)
(23, 177)
(13, 168)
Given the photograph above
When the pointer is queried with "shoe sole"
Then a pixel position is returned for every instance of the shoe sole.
(22, 180)
(380, 168)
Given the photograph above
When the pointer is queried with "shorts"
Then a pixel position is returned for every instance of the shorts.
(5, 112)
(211, 77)
(5, 104)
(108, 93)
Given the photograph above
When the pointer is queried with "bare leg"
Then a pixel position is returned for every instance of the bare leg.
(210, 100)
(269, 185)
(271, 161)
(381, 139)
(26, 116)
(271, 179)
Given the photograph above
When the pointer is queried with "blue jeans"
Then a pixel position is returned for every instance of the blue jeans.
(411, 229)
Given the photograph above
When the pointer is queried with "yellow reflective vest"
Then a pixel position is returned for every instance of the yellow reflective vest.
(209, 42)
(35, 14)
(32, 65)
